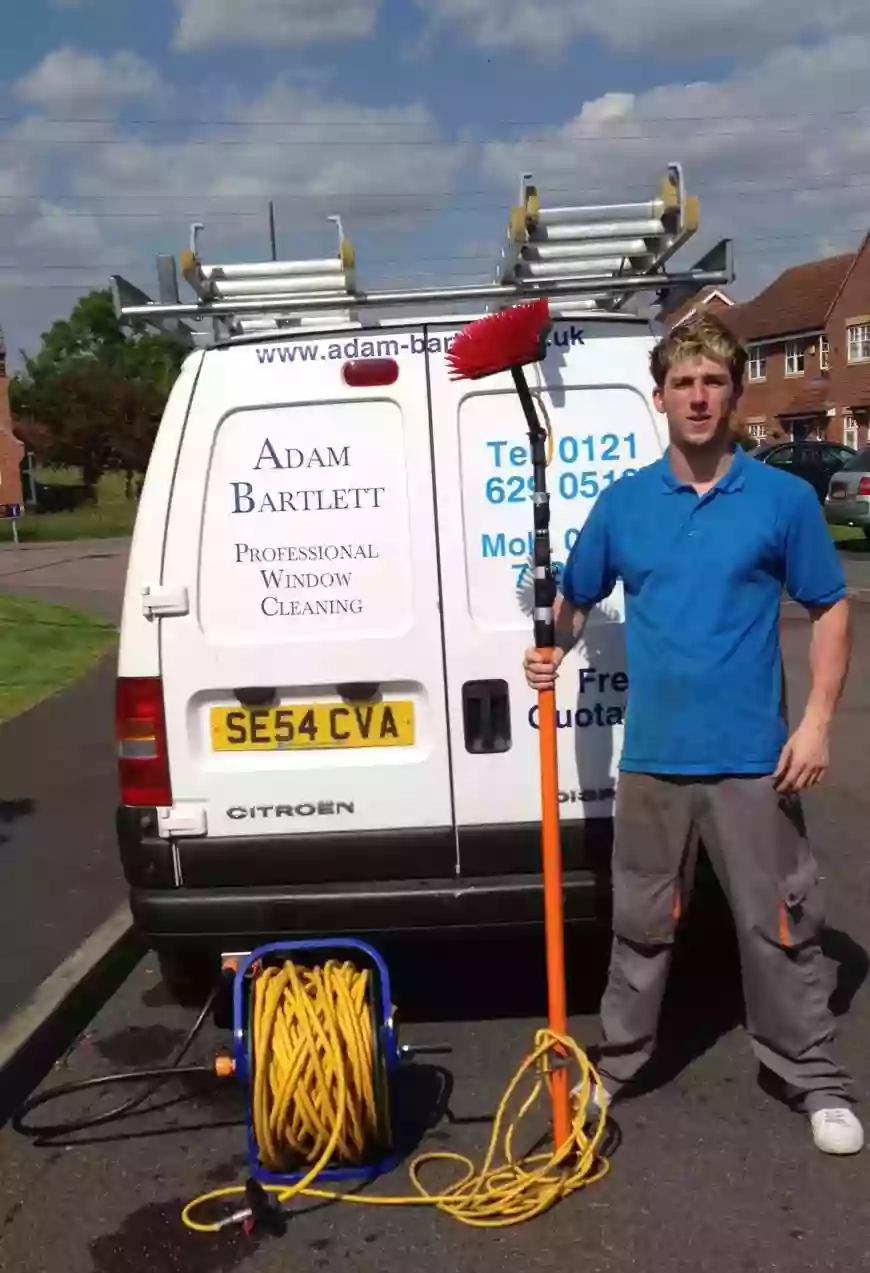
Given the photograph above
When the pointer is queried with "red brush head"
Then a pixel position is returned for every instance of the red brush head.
(512, 338)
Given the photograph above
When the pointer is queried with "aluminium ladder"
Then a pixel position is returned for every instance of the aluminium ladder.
(601, 242)
(584, 259)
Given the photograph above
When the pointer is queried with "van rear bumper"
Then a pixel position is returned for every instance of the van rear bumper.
(231, 892)
(186, 916)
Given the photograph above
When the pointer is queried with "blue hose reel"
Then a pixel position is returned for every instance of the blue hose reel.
(386, 1055)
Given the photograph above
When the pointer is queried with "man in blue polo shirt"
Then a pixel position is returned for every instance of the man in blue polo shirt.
(704, 541)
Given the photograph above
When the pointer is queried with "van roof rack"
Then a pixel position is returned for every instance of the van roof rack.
(584, 259)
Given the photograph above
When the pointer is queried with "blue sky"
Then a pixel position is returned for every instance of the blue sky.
(413, 119)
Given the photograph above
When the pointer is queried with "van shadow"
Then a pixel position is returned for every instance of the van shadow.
(12, 811)
(492, 977)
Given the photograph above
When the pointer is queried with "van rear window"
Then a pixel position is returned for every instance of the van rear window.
(306, 528)
(598, 435)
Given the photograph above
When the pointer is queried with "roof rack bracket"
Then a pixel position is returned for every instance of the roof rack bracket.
(585, 259)
(718, 261)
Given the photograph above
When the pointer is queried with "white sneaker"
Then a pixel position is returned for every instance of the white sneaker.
(837, 1131)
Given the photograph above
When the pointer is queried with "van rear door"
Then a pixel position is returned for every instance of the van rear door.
(595, 389)
(304, 687)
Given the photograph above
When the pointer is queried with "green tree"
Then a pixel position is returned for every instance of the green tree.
(93, 395)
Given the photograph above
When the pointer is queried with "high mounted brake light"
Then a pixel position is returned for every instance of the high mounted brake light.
(363, 373)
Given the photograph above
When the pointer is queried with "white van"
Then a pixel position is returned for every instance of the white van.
(322, 716)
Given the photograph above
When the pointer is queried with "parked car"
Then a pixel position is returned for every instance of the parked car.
(815, 462)
(848, 498)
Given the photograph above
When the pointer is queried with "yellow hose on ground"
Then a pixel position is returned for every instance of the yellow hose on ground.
(313, 1101)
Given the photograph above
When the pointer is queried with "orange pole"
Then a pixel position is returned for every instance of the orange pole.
(554, 919)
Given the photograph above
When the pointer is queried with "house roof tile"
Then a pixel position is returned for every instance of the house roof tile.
(798, 301)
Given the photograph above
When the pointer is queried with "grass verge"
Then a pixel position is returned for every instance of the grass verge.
(841, 534)
(111, 517)
(44, 648)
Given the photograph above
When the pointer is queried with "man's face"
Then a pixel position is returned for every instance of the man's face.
(698, 398)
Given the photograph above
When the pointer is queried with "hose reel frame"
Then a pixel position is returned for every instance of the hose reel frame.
(386, 1055)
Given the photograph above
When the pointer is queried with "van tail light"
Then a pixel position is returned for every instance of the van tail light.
(140, 731)
(864, 486)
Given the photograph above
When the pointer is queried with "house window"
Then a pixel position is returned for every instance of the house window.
(757, 366)
(757, 428)
(850, 430)
(859, 343)
(794, 359)
(824, 354)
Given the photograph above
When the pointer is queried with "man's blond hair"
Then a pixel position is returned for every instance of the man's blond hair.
(701, 336)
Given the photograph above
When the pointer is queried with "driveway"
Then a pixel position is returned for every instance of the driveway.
(87, 574)
(59, 870)
(709, 1173)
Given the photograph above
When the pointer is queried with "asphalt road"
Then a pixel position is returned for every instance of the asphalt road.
(86, 574)
(60, 875)
(59, 871)
(709, 1172)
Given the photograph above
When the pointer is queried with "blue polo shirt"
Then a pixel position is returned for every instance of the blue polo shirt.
(703, 578)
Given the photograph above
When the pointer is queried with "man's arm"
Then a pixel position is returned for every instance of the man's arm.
(814, 578)
(806, 755)
(830, 649)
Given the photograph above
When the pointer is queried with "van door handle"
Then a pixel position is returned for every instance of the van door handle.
(486, 716)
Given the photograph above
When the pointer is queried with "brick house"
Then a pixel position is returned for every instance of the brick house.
(712, 298)
(11, 449)
(808, 336)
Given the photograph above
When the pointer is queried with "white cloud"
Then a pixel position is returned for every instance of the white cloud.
(18, 185)
(692, 28)
(206, 24)
(68, 80)
(92, 197)
(327, 156)
(778, 172)
(57, 232)
(786, 175)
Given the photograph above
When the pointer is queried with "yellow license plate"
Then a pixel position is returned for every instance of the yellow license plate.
(302, 726)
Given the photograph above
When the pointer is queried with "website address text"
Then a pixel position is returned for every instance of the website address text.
(385, 347)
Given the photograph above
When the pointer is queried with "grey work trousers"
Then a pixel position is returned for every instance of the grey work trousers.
(757, 845)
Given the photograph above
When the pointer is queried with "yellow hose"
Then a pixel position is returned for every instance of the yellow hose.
(313, 1100)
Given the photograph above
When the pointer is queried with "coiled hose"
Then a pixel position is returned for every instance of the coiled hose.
(313, 1100)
